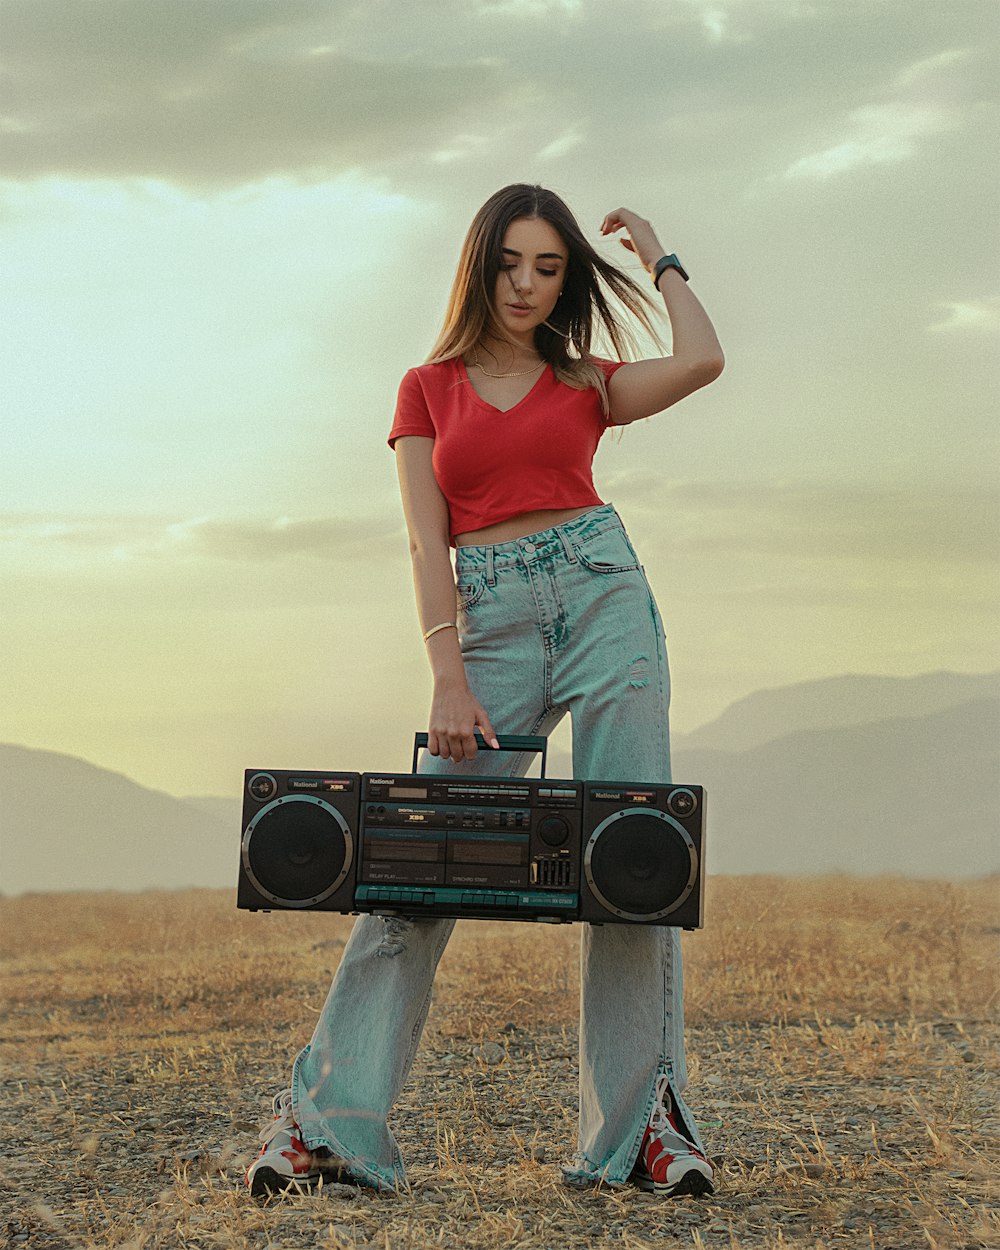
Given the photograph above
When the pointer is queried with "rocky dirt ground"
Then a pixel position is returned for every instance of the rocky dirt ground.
(842, 1041)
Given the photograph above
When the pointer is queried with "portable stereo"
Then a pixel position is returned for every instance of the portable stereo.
(474, 846)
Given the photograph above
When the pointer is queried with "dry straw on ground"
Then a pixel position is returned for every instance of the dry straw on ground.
(842, 1039)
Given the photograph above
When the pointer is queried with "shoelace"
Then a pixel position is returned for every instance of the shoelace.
(283, 1122)
(661, 1119)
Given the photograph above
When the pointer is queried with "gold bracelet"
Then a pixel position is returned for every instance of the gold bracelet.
(445, 625)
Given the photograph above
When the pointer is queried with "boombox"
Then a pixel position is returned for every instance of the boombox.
(474, 846)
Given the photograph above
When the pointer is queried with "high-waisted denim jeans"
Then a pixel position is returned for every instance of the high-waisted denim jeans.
(560, 621)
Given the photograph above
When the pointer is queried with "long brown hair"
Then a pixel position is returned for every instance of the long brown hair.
(564, 340)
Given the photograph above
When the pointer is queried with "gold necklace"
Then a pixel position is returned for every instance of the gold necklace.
(520, 374)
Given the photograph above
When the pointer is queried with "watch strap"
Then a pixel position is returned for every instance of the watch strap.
(667, 262)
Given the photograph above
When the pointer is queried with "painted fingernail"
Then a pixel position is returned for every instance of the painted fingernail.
(494, 744)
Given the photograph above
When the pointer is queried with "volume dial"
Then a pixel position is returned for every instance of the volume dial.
(682, 803)
(262, 786)
(553, 830)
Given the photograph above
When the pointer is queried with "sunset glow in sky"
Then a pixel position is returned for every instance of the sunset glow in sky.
(227, 229)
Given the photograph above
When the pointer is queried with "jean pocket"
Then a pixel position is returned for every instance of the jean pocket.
(469, 589)
(607, 552)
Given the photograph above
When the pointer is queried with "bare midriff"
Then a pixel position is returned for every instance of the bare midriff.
(520, 526)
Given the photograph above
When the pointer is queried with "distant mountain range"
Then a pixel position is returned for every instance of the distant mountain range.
(68, 825)
(854, 774)
(917, 796)
(837, 703)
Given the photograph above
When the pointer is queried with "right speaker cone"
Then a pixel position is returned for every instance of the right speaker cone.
(640, 864)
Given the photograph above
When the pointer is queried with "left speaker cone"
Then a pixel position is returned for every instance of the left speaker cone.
(297, 851)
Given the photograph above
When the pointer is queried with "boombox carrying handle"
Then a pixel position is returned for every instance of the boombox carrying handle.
(508, 742)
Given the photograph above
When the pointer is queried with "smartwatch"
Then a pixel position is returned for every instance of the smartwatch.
(667, 262)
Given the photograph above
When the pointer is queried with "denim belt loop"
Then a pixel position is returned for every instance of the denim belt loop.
(567, 545)
(491, 577)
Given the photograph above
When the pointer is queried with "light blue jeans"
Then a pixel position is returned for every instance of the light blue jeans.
(560, 621)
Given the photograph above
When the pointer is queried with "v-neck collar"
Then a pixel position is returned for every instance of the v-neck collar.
(464, 373)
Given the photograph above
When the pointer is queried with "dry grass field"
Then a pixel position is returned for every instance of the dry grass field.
(842, 1037)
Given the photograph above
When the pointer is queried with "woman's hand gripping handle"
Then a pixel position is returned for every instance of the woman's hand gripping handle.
(455, 716)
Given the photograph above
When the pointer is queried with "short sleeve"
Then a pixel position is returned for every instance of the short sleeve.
(412, 414)
(608, 367)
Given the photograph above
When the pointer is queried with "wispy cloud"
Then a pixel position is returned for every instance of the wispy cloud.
(932, 66)
(820, 521)
(321, 538)
(877, 135)
(527, 8)
(716, 18)
(252, 540)
(459, 148)
(562, 145)
(219, 93)
(817, 521)
(979, 316)
(925, 97)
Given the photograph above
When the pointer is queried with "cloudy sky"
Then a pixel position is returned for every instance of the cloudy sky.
(228, 227)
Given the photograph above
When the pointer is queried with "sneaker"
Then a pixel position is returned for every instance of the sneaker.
(283, 1160)
(669, 1163)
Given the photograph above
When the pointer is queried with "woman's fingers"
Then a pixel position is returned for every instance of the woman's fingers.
(487, 730)
(618, 218)
(640, 238)
(461, 746)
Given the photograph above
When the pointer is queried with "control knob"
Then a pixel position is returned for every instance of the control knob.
(553, 830)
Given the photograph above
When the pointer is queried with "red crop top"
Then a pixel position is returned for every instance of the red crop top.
(492, 465)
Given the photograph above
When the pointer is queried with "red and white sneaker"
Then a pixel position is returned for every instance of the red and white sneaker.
(669, 1163)
(283, 1160)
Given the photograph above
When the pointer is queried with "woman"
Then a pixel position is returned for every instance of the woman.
(494, 438)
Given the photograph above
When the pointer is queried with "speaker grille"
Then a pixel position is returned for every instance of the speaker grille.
(297, 851)
(640, 864)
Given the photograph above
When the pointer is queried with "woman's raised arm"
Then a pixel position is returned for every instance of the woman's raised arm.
(648, 386)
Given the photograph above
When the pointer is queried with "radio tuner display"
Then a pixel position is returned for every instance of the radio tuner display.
(407, 792)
